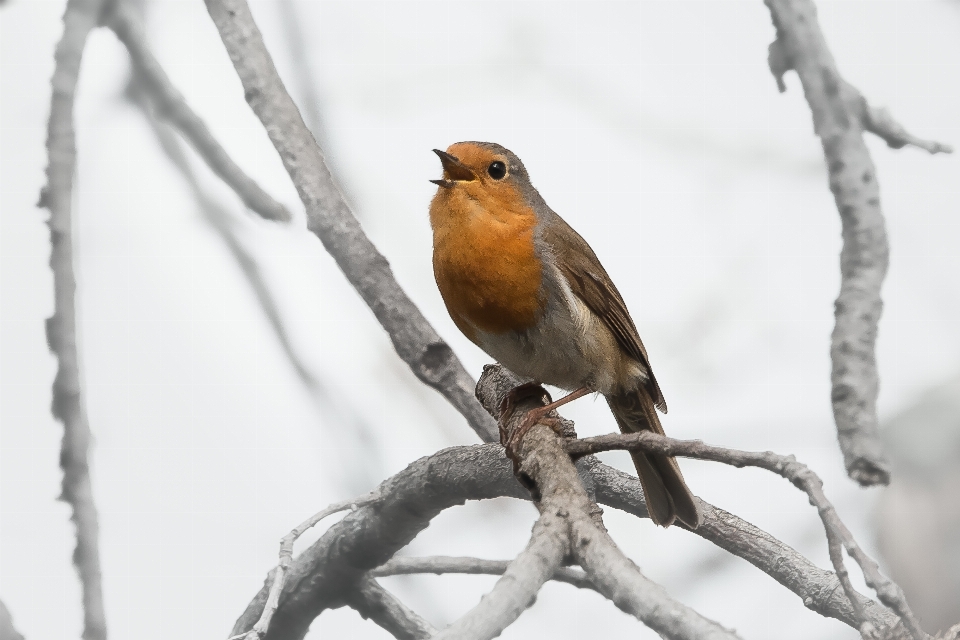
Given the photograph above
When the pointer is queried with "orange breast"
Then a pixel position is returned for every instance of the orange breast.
(484, 261)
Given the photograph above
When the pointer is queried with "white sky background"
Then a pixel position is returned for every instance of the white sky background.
(654, 128)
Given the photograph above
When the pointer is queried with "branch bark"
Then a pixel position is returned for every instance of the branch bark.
(376, 603)
(517, 589)
(838, 536)
(478, 472)
(455, 475)
(80, 17)
(320, 576)
(542, 458)
(819, 590)
(840, 114)
(478, 566)
(330, 218)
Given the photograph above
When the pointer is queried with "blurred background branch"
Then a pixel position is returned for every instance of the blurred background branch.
(170, 105)
(7, 630)
(79, 19)
(800, 46)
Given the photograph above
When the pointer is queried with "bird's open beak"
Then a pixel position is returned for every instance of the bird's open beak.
(454, 170)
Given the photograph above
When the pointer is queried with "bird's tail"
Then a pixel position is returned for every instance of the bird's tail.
(668, 498)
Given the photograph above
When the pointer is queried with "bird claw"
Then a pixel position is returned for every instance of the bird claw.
(514, 397)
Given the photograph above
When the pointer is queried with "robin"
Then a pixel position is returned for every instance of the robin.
(522, 285)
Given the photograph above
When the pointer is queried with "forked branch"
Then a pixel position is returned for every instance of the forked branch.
(840, 115)
(126, 23)
(838, 535)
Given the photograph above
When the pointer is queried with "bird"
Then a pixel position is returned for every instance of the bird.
(522, 285)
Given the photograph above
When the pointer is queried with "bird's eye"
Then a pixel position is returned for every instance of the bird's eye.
(497, 170)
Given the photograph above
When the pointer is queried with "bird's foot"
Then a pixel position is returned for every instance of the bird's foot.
(513, 398)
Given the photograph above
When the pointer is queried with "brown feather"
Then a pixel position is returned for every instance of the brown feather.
(589, 281)
(667, 495)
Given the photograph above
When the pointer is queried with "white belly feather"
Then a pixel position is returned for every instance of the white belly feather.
(570, 347)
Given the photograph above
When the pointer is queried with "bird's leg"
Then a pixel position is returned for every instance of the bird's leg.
(536, 415)
(514, 397)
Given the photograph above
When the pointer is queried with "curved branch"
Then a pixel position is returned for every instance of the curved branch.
(517, 589)
(819, 590)
(439, 565)
(478, 472)
(376, 603)
(330, 218)
(542, 458)
(838, 536)
(840, 114)
(171, 105)
(320, 576)
(80, 17)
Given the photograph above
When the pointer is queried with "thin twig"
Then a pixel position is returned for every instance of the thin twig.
(369, 537)
(403, 565)
(797, 473)
(840, 114)
(172, 106)
(321, 575)
(517, 588)
(279, 574)
(80, 17)
(819, 590)
(330, 218)
(376, 603)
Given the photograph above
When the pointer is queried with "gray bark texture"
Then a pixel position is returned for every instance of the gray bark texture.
(840, 115)
(323, 574)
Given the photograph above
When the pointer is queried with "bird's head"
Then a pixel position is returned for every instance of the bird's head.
(483, 177)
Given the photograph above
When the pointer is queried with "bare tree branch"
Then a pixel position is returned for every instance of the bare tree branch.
(330, 218)
(819, 590)
(479, 472)
(7, 630)
(880, 122)
(376, 603)
(840, 114)
(439, 565)
(278, 575)
(838, 536)
(953, 633)
(320, 577)
(80, 17)
(172, 106)
(517, 589)
(542, 458)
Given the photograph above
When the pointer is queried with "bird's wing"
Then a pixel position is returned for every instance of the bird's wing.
(589, 281)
